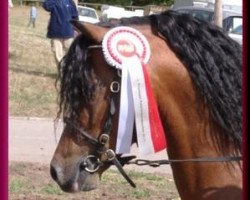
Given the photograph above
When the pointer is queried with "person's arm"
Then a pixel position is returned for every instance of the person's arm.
(48, 5)
(74, 12)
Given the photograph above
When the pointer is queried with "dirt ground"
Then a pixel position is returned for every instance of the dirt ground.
(31, 181)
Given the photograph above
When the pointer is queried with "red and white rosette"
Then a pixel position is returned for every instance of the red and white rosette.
(122, 43)
(127, 49)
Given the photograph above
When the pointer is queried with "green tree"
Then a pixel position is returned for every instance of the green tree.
(131, 2)
(152, 2)
(109, 2)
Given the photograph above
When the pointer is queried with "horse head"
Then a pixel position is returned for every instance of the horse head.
(88, 98)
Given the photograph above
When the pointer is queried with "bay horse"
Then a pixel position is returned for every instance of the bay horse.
(195, 75)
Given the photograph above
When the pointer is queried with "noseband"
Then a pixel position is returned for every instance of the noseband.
(92, 163)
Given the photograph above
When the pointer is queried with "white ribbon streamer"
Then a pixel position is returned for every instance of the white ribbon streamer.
(140, 100)
(126, 115)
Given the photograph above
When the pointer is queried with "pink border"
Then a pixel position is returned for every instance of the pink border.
(244, 102)
(4, 100)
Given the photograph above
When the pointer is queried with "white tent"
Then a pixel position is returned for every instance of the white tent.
(10, 4)
(113, 12)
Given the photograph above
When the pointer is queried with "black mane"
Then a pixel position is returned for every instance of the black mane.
(213, 60)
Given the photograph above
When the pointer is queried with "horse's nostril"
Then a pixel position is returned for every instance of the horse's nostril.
(53, 173)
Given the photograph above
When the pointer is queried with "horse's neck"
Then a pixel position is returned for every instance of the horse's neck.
(190, 133)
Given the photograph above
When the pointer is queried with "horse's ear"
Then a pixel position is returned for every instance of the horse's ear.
(90, 31)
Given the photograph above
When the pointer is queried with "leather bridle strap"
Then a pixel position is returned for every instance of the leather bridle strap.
(121, 170)
(101, 149)
(115, 161)
(87, 136)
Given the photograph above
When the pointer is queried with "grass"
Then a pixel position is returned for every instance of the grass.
(51, 189)
(32, 181)
(17, 186)
(32, 68)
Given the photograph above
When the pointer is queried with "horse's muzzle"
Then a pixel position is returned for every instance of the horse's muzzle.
(74, 179)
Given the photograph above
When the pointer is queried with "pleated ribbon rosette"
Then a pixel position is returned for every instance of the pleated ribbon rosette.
(128, 50)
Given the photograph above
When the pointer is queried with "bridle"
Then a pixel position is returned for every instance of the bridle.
(92, 163)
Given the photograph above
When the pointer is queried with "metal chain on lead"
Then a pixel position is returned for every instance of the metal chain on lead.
(157, 163)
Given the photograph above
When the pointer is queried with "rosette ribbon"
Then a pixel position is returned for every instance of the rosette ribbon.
(128, 50)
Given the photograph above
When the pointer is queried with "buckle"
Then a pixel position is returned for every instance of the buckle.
(104, 138)
(115, 87)
(110, 154)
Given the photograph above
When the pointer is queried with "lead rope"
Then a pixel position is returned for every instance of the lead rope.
(156, 163)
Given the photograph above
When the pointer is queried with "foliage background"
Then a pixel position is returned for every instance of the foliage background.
(132, 2)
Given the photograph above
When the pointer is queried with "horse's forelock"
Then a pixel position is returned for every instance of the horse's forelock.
(71, 80)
